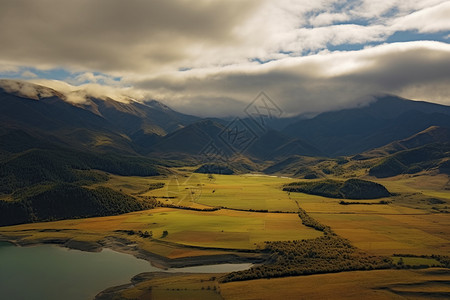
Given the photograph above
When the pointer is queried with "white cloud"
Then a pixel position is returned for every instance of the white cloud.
(89, 77)
(316, 83)
(80, 93)
(311, 84)
(146, 43)
(328, 18)
(26, 89)
(142, 37)
(430, 19)
(7, 68)
(28, 74)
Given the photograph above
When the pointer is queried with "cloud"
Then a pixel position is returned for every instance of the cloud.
(328, 18)
(26, 89)
(28, 74)
(89, 77)
(428, 20)
(317, 83)
(212, 57)
(141, 37)
(42, 88)
(7, 68)
(113, 35)
(311, 84)
(81, 93)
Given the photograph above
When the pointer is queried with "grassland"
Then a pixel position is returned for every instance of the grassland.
(412, 222)
(246, 192)
(407, 225)
(251, 210)
(379, 284)
(415, 261)
(165, 286)
(218, 229)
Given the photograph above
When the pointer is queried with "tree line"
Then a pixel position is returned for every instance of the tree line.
(64, 201)
(326, 254)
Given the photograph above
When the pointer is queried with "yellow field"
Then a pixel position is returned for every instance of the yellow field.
(404, 226)
(222, 229)
(233, 191)
(437, 185)
(388, 234)
(416, 261)
(380, 284)
(371, 285)
(164, 286)
(246, 192)
(407, 225)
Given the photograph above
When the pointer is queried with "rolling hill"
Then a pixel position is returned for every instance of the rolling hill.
(349, 189)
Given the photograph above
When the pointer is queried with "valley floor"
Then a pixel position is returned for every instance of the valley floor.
(228, 218)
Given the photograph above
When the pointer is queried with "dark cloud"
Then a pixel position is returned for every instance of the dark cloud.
(114, 35)
(136, 48)
(315, 83)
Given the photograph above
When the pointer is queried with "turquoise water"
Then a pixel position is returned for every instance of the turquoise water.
(47, 272)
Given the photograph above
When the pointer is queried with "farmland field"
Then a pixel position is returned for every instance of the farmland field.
(236, 214)
(217, 229)
(399, 227)
(382, 284)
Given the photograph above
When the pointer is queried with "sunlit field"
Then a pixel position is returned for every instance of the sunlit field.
(228, 214)
(382, 284)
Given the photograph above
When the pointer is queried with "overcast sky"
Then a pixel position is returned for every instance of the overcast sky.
(212, 58)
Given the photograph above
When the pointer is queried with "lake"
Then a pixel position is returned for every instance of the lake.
(51, 272)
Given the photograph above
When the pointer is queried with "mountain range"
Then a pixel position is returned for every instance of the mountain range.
(387, 119)
(54, 151)
(45, 118)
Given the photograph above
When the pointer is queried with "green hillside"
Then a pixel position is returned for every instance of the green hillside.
(65, 201)
(39, 165)
(350, 189)
(413, 161)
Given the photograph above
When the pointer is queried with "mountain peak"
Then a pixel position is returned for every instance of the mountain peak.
(158, 105)
(25, 89)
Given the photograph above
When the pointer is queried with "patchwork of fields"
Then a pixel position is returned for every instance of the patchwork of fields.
(235, 214)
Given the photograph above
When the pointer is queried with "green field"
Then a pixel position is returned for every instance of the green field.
(253, 209)
(406, 225)
(415, 261)
(223, 228)
(244, 192)
(217, 229)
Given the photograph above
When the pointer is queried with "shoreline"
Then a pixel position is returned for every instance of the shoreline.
(123, 245)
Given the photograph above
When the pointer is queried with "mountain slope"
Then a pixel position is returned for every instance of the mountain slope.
(270, 145)
(352, 131)
(96, 124)
(433, 134)
(193, 138)
(425, 158)
(273, 144)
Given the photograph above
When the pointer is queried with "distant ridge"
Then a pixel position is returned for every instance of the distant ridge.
(356, 130)
(95, 125)
(433, 134)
